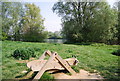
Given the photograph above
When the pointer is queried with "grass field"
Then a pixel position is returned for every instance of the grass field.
(92, 57)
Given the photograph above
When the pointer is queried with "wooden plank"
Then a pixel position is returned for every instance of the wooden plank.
(44, 55)
(65, 64)
(36, 65)
(51, 64)
(43, 69)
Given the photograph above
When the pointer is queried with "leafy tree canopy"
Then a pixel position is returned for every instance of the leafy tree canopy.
(87, 21)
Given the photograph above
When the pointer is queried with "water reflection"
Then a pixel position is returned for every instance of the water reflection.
(55, 40)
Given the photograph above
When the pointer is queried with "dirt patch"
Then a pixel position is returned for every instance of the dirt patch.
(62, 76)
(81, 75)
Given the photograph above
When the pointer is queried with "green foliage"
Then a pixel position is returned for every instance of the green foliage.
(76, 68)
(37, 49)
(54, 35)
(12, 13)
(118, 26)
(22, 22)
(33, 24)
(117, 52)
(3, 36)
(46, 76)
(87, 21)
(24, 53)
(33, 36)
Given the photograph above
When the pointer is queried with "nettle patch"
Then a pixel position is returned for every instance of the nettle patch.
(24, 53)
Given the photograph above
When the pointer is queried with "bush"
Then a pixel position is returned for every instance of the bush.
(117, 52)
(29, 36)
(3, 36)
(37, 49)
(31, 52)
(23, 53)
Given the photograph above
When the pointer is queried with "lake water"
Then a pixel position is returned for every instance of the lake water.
(55, 40)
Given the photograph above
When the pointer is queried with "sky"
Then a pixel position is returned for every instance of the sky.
(52, 21)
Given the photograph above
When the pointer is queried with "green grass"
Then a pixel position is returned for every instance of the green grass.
(0, 60)
(91, 57)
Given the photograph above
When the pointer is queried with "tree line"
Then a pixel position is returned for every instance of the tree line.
(81, 22)
(89, 21)
(22, 22)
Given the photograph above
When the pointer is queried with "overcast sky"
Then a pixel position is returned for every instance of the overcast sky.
(52, 21)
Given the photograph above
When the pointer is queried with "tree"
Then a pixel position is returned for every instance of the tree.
(118, 22)
(54, 35)
(6, 21)
(11, 19)
(116, 7)
(33, 24)
(0, 21)
(87, 21)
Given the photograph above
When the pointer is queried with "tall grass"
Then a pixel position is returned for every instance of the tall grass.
(91, 57)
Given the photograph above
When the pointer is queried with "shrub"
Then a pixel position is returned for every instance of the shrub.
(29, 36)
(37, 49)
(3, 36)
(23, 53)
(31, 52)
(117, 52)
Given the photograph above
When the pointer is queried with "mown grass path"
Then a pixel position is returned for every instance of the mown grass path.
(92, 57)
